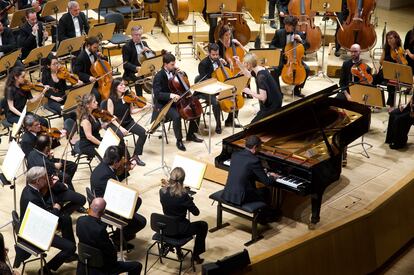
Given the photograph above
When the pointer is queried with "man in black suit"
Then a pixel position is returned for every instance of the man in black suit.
(130, 54)
(37, 192)
(92, 231)
(105, 171)
(31, 35)
(73, 23)
(245, 170)
(7, 41)
(28, 140)
(281, 38)
(162, 95)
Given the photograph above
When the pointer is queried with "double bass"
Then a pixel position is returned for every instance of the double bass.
(293, 72)
(357, 29)
(302, 10)
(188, 106)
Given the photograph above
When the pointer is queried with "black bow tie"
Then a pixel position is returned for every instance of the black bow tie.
(289, 33)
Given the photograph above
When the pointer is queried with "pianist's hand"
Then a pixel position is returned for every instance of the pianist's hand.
(273, 175)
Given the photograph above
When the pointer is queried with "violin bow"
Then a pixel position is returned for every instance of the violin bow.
(48, 183)
(65, 153)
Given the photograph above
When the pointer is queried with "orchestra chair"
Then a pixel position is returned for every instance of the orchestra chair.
(165, 226)
(79, 157)
(106, 5)
(53, 114)
(6, 124)
(126, 11)
(26, 246)
(90, 257)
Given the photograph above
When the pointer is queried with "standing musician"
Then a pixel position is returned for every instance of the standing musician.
(282, 8)
(73, 23)
(162, 95)
(37, 192)
(409, 47)
(7, 40)
(92, 231)
(122, 110)
(280, 40)
(268, 92)
(32, 34)
(272, 6)
(106, 170)
(212, 21)
(131, 53)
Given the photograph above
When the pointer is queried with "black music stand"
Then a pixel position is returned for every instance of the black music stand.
(397, 72)
(368, 96)
(160, 119)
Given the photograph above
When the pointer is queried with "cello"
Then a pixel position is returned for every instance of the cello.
(293, 72)
(357, 29)
(234, 50)
(302, 10)
(188, 106)
(102, 70)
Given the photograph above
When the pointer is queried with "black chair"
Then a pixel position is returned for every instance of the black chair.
(4, 122)
(19, 243)
(127, 11)
(90, 257)
(165, 227)
(80, 158)
(105, 6)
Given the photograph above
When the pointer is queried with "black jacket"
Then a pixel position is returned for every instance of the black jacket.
(66, 28)
(161, 89)
(27, 143)
(29, 194)
(8, 41)
(205, 68)
(279, 41)
(83, 67)
(27, 41)
(99, 178)
(130, 56)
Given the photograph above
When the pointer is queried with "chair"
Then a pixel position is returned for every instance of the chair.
(25, 246)
(90, 257)
(79, 156)
(128, 11)
(53, 115)
(164, 227)
(106, 5)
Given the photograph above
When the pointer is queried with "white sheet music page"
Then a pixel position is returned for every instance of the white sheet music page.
(12, 161)
(109, 139)
(120, 199)
(194, 170)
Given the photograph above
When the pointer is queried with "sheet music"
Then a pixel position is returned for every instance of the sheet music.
(212, 88)
(16, 127)
(38, 226)
(120, 199)
(194, 170)
(109, 139)
(12, 161)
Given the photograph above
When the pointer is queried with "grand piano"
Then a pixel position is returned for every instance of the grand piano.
(303, 142)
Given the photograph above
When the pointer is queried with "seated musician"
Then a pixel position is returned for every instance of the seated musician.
(73, 23)
(122, 110)
(245, 170)
(131, 53)
(37, 192)
(268, 93)
(162, 95)
(92, 231)
(32, 34)
(84, 62)
(409, 47)
(399, 125)
(17, 98)
(106, 170)
(175, 202)
(8, 41)
(280, 39)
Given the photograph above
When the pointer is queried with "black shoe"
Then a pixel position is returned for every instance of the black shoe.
(337, 53)
(198, 260)
(218, 130)
(273, 25)
(180, 145)
(299, 95)
(82, 210)
(138, 160)
(72, 258)
(396, 146)
(230, 124)
(194, 138)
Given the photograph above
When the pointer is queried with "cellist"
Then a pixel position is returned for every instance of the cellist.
(280, 39)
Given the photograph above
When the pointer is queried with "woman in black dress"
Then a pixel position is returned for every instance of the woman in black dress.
(409, 47)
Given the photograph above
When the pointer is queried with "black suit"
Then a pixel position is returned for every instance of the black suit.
(245, 170)
(177, 207)
(162, 97)
(130, 56)
(8, 41)
(92, 231)
(27, 41)
(82, 68)
(99, 179)
(27, 142)
(66, 27)
(66, 243)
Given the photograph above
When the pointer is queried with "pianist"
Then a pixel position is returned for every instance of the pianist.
(245, 170)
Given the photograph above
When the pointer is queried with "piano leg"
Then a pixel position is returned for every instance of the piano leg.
(316, 201)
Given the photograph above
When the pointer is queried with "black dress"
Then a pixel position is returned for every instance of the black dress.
(399, 125)
(409, 45)
(19, 98)
(86, 146)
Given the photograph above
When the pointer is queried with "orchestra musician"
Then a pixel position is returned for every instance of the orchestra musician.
(5, 267)
(162, 95)
(282, 8)
(175, 202)
(409, 47)
(73, 23)
(272, 7)
(7, 40)
(32, 34)
(399, 124)
(211, 18)
(25, 4)
(117, 106)
(37, 192)
(106, 170)
(268, 92)
(280, 39)
(92, 231)
(131, 52)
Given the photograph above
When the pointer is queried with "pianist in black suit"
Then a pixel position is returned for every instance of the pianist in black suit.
(8, 41)
(280, 39)
(73, 23)
(245, 170)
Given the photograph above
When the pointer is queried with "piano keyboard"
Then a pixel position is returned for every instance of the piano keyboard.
(290, 181)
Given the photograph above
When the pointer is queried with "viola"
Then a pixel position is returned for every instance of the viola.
(102, 114)
(358, 28)
(360, 70)
(138, 101)
(188, 106)
(63, 73)
(399, 56)
(51, 132)
(293, 72)
(102, 70)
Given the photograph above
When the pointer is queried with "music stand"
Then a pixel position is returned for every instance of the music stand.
(37, 54)
(368, 96)
(214, 6)
(89, 5)
(399, 73)
(325, 6)
(54, 7)
(73, 96)
(7, 61)
(147, 25)
(70, 45)
(267, 57)
(18, 18)
(160, 119)
(102, 31)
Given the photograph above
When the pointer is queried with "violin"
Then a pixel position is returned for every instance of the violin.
(51, 132)
(138, 101)
(102, 114)
(63, 73)
(360, 70)
(102, 70)
(399, 56)
(37, 87)
(293, 72)
(188, 106)
(358, 28)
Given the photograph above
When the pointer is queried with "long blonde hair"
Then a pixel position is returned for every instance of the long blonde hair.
(175, 183)
(82, 110)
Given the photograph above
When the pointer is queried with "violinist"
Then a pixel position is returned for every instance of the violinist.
(409, 47)
(280, 40)
(73, 23)
(37, 192)
(17, 98)
(106, 170)
(131, 52)
(162, 95)
(268, 93)
(123, 110)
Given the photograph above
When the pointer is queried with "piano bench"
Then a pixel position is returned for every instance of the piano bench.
(249, 211)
